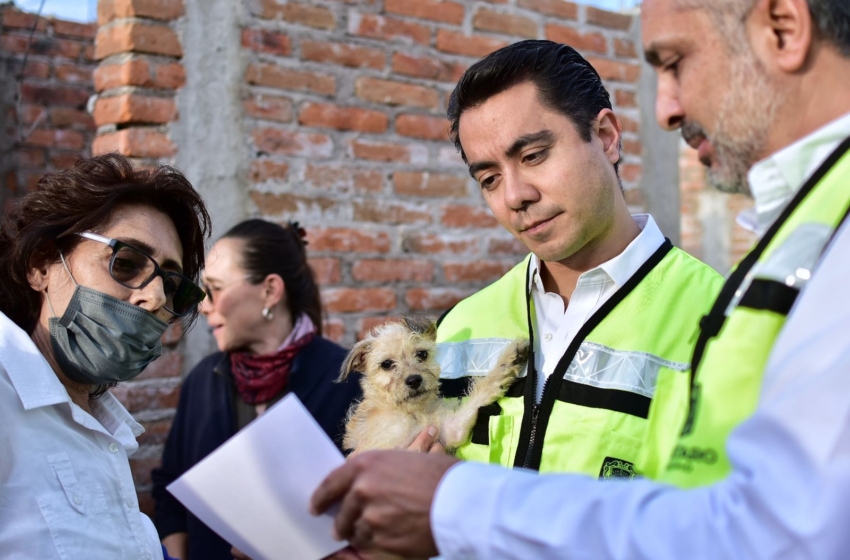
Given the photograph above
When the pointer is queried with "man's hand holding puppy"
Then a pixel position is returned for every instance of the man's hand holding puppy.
(377, 498)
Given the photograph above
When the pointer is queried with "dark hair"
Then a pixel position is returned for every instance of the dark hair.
(273, 249)
(832, 19)
(565, 82)
(80, 199)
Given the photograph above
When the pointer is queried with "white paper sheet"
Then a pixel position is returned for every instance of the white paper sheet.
(255, 489)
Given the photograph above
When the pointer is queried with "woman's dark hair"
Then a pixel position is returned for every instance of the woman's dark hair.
(273, 249)
(81, 199)
(565, 82)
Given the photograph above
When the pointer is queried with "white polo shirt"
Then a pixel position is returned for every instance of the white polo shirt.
(66, 490)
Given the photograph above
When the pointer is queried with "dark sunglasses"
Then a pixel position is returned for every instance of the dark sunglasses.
(135, 269)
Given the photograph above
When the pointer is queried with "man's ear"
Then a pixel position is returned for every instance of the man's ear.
(356, 360)
(781, 31)
(607, 128)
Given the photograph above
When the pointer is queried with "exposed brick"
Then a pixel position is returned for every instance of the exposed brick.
(479, 271)
(15, 19)
(31, 113)
(435, 10)
(595, 42)
(65, 160)
(625, 98)
(468, 45)
(428, 68)
(135, 142)
(627, 124)
(462, 216)
(148, 394)
(69, 96)
(292, 143)
(141, 468)
(346, 240)
(170, 364)
(165, 10)
(302, 14)
(630, 172)
(279, 203)
(263, 170)
(137, 72)
(432, 243)
(326, 270)
(134, 108)
(342, 54)
(633, 147)
(287, 78)
(137, 37)
(36, 69)
(264, 41)
(64, 117)
(616, 71)
(506, 247)
(343, 300)
(31, 157)
(173, 334)
(41, 45)
(327, 115)
(343, 179)
(559, 8)
(604, 18)
(74, 29)
(334, 329)
(506, 24)
(391, 212)
(388, 28)
(396, 270)
(156, 432)
(420, 126)
(269, 107)
(396, 93)
(625, 48)
(387, 152)
(62, 138)
(369, 323)
(74, 74)
(429, 184)
(428, 299)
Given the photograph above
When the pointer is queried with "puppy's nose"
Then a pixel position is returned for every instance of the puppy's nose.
(414, 381)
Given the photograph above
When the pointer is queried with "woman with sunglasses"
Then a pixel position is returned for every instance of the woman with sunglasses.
(95, 263)
(265, 313)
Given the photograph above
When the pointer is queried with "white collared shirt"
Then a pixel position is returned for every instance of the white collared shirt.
(556, 326)
(66, 490)
(787, 495)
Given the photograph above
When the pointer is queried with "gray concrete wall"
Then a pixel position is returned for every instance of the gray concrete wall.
(209, 135)
(660, 179)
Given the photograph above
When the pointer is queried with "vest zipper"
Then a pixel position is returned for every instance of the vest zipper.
(535, 413)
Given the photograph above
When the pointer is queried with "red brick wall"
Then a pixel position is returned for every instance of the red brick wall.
(734, 240)
(50, 128)
(344, 110)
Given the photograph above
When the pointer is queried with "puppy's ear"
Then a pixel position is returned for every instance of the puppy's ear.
(355, 361)
(421, 325)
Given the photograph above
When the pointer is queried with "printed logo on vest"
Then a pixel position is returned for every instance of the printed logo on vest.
(617, 468)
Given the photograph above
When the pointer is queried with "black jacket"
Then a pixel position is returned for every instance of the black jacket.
(206, 418)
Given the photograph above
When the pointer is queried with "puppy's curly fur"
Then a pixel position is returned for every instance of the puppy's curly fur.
(401, 388)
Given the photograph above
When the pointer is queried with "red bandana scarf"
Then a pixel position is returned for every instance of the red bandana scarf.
(260, 378)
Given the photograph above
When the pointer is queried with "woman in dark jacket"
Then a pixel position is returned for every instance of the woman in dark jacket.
(264, 310)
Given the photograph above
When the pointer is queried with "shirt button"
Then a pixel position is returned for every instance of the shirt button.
(130, 503)
(113, 447)
(547, 336)
(78, 500)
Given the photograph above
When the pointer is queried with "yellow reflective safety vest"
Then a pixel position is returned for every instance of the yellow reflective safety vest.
(737, 335)
(617, 399)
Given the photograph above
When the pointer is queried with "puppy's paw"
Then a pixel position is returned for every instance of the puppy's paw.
(520, 350)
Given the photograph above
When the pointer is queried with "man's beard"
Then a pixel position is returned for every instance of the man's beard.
(741, 127)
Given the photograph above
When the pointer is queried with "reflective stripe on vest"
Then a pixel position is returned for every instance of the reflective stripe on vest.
(737, 335)
(594, 419)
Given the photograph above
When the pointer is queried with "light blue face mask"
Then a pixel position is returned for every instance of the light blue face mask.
(101, 339)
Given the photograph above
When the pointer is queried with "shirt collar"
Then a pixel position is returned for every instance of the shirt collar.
(623, 266)
(37, 386)
(775, 180)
